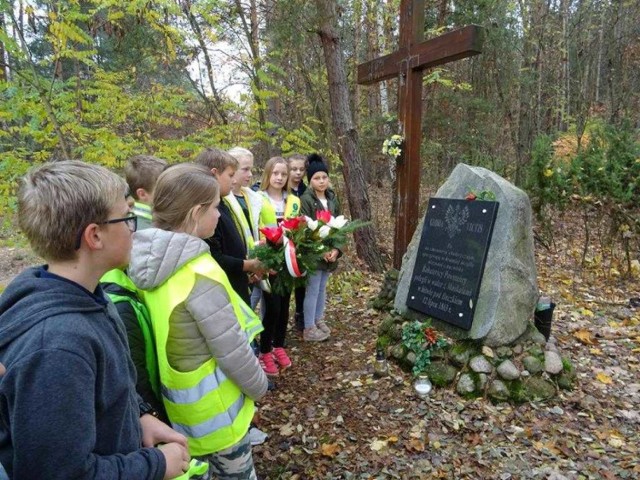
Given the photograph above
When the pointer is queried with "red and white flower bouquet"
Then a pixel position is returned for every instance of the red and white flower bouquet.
(296, 247)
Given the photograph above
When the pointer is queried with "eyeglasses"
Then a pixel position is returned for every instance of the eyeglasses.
(131, 221)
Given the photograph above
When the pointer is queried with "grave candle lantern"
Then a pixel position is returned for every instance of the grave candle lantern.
(422, 386)
(380, 368)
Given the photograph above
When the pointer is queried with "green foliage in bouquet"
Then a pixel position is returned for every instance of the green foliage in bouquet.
(296, 248)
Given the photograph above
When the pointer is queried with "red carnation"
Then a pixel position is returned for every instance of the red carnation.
(323, 216)
(470, 196)
(272, 234)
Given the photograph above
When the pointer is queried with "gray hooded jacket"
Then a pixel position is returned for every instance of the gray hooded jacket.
(205, 325)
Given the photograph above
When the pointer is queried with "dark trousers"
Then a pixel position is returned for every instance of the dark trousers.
(299, 317)
(276, 317)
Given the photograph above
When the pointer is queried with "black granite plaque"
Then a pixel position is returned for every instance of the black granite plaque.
(450, 259)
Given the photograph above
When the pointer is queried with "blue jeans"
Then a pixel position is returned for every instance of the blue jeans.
(315, 297)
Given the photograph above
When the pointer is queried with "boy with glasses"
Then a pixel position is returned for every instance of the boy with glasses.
(68, 408)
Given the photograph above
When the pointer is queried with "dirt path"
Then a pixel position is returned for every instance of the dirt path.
(331, 419)
(12, 261)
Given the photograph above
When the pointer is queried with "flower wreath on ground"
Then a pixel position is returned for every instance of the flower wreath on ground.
(296, 247)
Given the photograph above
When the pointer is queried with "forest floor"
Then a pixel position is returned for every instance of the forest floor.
(329, 418)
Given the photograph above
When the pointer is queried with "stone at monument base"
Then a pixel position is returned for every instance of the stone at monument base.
(509, 291)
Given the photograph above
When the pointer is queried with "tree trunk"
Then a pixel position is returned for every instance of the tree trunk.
(3, 60)
(250, 28)
(346, 134)
(195, 27)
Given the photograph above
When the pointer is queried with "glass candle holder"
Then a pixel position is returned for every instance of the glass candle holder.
(380, 367)
(422, 386)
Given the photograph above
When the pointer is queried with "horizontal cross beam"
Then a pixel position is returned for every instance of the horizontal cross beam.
(461, 43)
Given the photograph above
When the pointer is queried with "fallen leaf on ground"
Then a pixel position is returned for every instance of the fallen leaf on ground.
(604, 378)
(330, 449)
(584, 336)
(415, 445)
(378, 445)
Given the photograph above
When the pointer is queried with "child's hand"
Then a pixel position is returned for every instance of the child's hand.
(331, 256)
(255, 277)
(253, 265)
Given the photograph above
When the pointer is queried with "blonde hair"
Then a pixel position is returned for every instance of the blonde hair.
(179, 190)
(268, 170)
(58, 200)
(142, 171)
(240, 153)
(215, 158)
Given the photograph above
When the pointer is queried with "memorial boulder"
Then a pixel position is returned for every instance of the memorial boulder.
(508, 289)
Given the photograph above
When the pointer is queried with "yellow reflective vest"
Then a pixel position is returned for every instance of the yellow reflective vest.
(203, 404)
(268, 214)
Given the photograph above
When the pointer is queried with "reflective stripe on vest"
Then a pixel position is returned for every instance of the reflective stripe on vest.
(224, 419)
(191, 395)
(240, 220)
(205, 405)
(142, 210)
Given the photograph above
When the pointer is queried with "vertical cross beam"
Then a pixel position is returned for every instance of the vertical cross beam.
(410, 119)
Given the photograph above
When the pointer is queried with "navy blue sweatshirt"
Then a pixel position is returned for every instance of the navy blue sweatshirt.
(68, 406)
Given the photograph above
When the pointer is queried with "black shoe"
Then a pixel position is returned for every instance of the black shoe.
(299, 319)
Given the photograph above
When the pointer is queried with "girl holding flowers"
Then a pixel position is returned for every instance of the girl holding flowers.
(279, 205)
(320, 202)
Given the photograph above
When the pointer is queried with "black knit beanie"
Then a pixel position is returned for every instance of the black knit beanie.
(315, 164)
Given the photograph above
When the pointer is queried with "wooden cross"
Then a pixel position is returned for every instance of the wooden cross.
(408, 63)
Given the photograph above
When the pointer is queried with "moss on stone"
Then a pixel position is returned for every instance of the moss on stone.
(536, 351)
(466, 346)
(395, 332)
(386, 325)
(438, 353)
(383, 342)
(398, 352)
(567, 366)
(441, 374)
(537, 388)
(517, 392)
(381, 303)
(565, 381)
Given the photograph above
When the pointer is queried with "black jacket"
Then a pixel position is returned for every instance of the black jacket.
(229, 250)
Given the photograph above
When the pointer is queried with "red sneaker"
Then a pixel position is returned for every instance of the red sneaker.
(281, 357)
(268, 364)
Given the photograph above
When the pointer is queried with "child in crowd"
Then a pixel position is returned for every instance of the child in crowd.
(318, 197)
(297, 169)
(68, 407)
(135, 316)
(141, 173)
(202, 327)
(246, 206)
(228, 245)
(280, 204)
